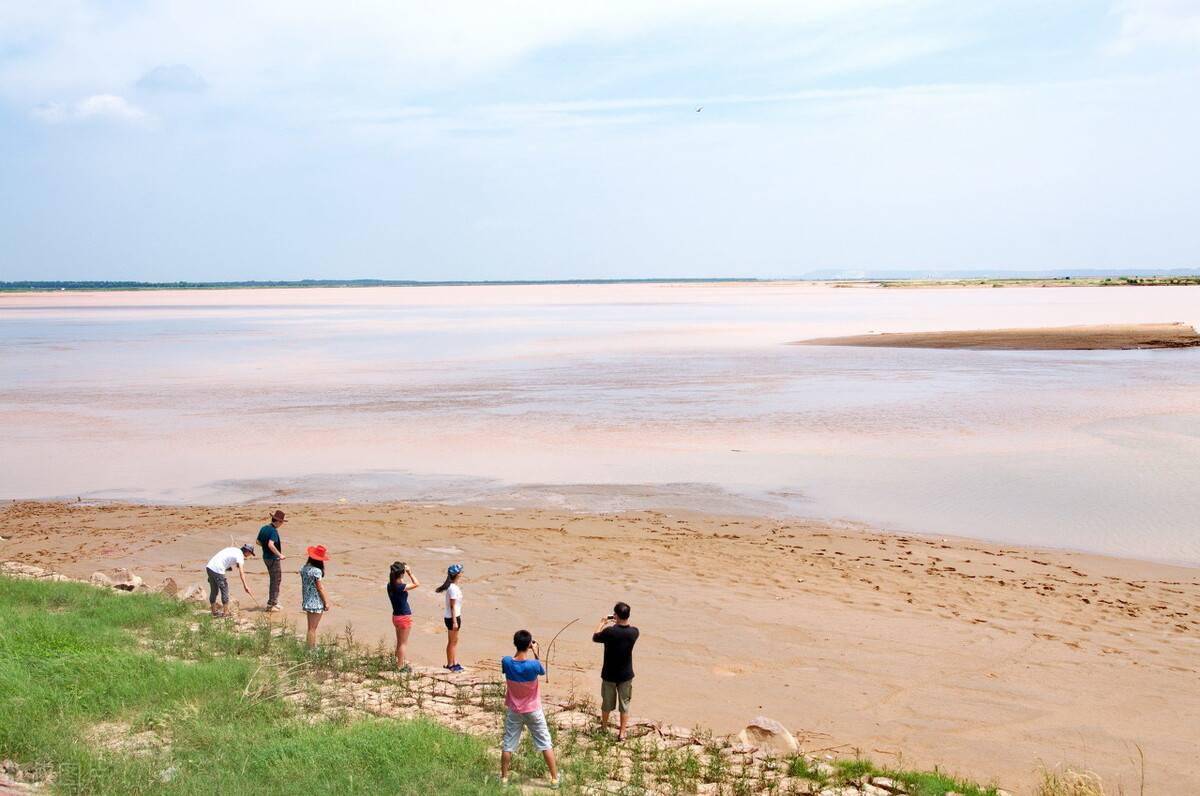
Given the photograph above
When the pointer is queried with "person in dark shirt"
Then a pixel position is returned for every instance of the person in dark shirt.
(616, 675)
(268, 537)
(402, 619)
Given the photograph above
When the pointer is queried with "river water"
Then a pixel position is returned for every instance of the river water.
(607, 397)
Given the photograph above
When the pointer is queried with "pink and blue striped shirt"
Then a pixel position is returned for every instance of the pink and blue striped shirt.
(524, 690)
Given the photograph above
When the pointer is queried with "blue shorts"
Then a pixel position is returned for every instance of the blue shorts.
(539, 731)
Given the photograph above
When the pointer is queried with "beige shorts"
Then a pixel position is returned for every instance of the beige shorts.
(615, 695)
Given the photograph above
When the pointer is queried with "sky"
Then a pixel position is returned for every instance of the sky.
(288, 139)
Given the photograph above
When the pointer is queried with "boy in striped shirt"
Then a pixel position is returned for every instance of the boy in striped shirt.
(523, 700)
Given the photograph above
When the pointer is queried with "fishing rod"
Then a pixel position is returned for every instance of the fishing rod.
(550, 646)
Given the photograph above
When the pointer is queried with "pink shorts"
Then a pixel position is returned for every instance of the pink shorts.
(402, 621)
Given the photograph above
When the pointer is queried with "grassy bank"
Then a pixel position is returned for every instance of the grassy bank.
(83, 699)
(106, 692)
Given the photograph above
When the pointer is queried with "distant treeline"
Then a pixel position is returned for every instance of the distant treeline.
(914, 278)
(255, 283)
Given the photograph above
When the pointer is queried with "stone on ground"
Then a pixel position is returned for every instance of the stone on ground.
(769, 735)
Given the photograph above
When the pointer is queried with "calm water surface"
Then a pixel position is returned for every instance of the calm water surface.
(615, 396)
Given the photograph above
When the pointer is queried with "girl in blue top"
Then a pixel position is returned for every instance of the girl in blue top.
(402, 620)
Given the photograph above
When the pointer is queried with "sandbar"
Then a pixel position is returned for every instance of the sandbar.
(1054, 338)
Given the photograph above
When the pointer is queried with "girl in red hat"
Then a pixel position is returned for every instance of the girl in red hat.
(314, 600)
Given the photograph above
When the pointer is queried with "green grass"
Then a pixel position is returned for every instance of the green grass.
(918, 783)
(70, 659)
(932, 783)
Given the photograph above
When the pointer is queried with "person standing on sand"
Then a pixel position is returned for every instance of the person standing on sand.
(225, 560)
(268, 537)
(314, 601)
(452, 615)
(523, 705)
(616, 675)
(402, 619)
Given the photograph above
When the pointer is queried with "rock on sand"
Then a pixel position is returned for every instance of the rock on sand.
(769, 736)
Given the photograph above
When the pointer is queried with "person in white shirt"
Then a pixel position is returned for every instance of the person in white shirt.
(452, 615)
(225, 560)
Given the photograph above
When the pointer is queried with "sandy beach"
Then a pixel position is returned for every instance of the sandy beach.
(1108, 337)
(984, 659)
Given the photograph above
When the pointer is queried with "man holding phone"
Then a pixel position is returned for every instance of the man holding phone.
(616, 675)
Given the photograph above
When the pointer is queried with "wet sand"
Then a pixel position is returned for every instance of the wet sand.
(983, 659)
(1108, 337)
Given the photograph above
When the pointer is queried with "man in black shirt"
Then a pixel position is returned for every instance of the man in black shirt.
(616, 676)
(272, 556)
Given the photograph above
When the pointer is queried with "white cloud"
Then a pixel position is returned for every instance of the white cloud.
(106, 107)
(419, 126)
(298, 49)
(1156, 22)
(109, 106)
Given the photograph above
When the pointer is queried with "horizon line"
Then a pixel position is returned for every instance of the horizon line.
(830, 275)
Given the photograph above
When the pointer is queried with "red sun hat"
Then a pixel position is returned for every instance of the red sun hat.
(318, 552)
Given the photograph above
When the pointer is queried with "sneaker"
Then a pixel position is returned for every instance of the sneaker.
(556, 783)
(273, 609)
(405, 669)
(504, 782)
(458, 667)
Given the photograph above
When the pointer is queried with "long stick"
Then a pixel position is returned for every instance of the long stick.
(550, 646)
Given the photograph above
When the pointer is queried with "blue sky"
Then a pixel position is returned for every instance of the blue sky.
(226, 140)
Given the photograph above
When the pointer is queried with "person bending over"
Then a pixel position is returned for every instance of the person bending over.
(523, 705)
(616, 675)
(226, 559)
